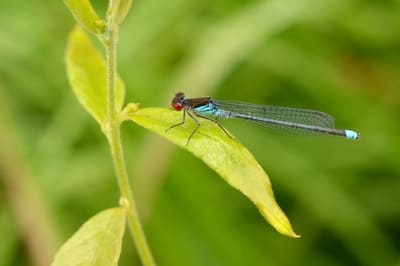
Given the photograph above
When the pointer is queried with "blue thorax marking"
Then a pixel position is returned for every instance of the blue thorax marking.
(207, 109)
(211, 109)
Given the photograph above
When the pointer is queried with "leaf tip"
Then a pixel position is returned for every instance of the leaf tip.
(277, 219)
(294, 235)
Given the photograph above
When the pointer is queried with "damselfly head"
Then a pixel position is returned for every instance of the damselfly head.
(177, 101)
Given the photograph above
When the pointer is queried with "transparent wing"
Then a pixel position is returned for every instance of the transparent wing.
(293, 115)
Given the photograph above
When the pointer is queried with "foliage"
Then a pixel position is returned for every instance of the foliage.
(336, 56)
(101, 92)
(87, 74)
(97, 242)
(224, 155)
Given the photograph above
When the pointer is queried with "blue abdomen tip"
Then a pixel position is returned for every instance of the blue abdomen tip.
(350, 134)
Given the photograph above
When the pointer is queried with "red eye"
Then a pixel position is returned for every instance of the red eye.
(177, 106)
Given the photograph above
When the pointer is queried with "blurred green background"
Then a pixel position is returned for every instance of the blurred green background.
(337, 56)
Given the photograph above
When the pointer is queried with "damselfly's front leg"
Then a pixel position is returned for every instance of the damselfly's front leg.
(180, 123)
(183, 122)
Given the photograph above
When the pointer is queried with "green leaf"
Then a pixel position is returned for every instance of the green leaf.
(97, 242)
(87, 74)
(118, 10)
(222, 154)
(85, 15)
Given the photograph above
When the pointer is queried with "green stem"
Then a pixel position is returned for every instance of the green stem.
(114, 138)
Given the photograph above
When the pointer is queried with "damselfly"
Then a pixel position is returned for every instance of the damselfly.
(284, 118)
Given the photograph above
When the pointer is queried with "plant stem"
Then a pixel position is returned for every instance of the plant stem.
(114, 138)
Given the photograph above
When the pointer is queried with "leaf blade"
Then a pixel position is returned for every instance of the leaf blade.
(85, 15)
(87, 75)
(118, 10)
(224, 155)
(97, 242)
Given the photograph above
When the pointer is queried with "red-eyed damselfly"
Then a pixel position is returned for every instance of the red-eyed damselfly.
(283, 118)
